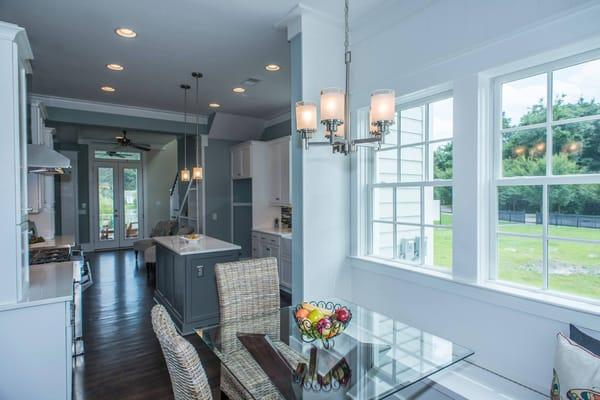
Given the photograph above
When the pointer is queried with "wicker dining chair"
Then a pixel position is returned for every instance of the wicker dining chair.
(247, 288)
(185, 369)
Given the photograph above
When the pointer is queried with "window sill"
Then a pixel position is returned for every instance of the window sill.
(540, 304)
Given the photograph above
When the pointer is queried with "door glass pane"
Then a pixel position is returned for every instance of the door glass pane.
(576, 90)
(524, 101)
(130, 194)
(520, 260)
(574, 268)
(117, 155)
(106, 203)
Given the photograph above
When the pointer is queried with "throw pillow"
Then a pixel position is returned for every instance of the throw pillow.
(576, 372)
(584, 340)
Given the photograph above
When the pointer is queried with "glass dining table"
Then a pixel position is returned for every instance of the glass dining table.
(375, 357)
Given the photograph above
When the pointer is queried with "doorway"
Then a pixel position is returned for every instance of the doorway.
(69, 203)
(118, 200)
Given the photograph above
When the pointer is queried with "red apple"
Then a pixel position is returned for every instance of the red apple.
(342, 314)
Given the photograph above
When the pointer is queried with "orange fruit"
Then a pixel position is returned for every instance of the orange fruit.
(302, 313)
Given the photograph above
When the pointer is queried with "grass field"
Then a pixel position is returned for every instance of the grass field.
(574, 266)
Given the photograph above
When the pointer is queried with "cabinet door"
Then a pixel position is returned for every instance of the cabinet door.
(246, 162)
(236, 163)
(255, 248)
(285, 172)
(275, 172)
(285, 273)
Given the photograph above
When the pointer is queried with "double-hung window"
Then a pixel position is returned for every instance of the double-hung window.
(546, 179)
(410, 186)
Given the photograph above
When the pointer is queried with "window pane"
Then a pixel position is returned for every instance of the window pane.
(524, 153)
(520, 260)
(117, 155)
(411, 125)
(392, 137)
(383, 204)
(408, 205)
(383, 240)
(524, 101)
(520, 209)
(574, 212)
(576, 148)
(386, 166)
(438, 251)
(440, 119)
(440, 160)
(409, 242)
(130, 193)
(574, 268)
(576, 91)
(411, 163)
(438, 205)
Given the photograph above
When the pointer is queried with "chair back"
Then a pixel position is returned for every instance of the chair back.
(247, 288)
(187, 374)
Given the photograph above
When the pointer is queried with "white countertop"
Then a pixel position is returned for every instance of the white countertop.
(48, 283)
(205, 244)
(58, 241)
(285, 233)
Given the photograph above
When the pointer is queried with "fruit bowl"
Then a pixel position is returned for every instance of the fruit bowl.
(192, 237)
(322, 320)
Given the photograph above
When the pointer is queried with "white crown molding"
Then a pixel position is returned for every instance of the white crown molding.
(278, 119)
(291, 20)
(17, 34)
(117, 109)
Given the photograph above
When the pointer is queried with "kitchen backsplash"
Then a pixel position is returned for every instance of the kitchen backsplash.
(286, 217)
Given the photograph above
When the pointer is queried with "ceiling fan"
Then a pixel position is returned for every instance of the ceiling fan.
(124, 141)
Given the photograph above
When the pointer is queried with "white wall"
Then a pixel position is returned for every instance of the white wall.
(457, 44)
(160, 169)
(325, 176)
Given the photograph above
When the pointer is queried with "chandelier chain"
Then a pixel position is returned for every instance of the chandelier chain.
(346, 26)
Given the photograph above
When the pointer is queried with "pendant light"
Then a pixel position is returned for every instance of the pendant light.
(335, 110)
(197, 172)
(185, 172)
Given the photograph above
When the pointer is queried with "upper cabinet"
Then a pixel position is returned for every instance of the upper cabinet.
(241, 161)
(279, 157)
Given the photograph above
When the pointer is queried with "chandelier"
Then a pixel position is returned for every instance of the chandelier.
(335, 111)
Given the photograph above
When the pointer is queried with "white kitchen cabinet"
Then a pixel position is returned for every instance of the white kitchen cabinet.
(241, 161)
(268, 245)
(279, 166)
(285, 263)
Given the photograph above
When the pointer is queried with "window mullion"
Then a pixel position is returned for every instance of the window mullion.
(425, 178)
(395, 231)
(545, 206)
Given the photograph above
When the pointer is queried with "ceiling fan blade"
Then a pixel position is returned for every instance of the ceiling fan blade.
(140, 147)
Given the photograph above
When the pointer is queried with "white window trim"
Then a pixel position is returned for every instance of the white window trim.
(495, 167)
(367, 162)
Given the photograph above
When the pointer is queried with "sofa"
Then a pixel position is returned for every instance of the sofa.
(162, 228)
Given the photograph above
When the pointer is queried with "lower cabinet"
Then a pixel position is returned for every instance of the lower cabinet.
(267, 245)
(187, 287)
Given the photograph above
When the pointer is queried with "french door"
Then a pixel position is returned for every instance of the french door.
(118, 209)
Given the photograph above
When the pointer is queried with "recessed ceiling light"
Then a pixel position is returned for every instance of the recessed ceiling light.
(126, 33)
(272, 67)
(115, 67)
(214, 105)
(108, 89)
(239, 89)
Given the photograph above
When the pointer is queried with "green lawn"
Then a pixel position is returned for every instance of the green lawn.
(575, 267)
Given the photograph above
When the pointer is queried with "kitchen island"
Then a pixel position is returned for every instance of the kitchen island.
(185, 278)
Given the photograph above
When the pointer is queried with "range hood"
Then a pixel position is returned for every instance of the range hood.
(42, 160)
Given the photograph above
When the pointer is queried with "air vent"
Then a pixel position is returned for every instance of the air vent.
(251, 82)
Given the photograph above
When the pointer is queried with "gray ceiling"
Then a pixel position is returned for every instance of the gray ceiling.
(228, 40)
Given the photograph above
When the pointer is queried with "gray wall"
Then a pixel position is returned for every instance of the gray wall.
(278, 130)
(218, 184)
(160, 169)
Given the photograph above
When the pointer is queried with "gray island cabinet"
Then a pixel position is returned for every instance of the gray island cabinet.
(185, 278)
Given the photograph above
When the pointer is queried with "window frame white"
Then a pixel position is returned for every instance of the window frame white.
(370, 185)
(497, 180)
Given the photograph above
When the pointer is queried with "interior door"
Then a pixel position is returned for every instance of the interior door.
(118, 214)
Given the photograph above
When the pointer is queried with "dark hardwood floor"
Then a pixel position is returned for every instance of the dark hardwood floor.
(123, 359)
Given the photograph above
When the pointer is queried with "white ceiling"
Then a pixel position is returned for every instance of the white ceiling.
(228, 40)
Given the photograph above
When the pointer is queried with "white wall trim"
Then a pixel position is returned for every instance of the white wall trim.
(537, 304)
(286, 116)
(107, 108)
